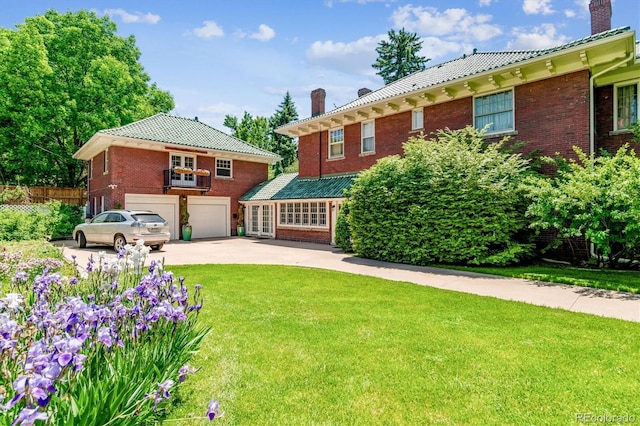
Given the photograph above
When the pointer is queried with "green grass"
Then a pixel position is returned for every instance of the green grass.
(301, 346)
(628, 281)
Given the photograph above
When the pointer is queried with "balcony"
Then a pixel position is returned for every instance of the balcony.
(180, 178)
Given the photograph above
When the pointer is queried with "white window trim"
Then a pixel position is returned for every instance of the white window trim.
(331, 157)
(182, 181)
(91, 169)
(419, 111)
(302, 225)
(615, 103)
(230, 168)
(513, 111)
(362, 151)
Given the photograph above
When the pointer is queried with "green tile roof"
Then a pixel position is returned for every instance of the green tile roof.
(465, 66)
(185, 132)
(289, 186)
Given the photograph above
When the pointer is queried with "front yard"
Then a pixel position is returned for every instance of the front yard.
(304, 346)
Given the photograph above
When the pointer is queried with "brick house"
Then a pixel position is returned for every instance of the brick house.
(155, 162)
(583, 93)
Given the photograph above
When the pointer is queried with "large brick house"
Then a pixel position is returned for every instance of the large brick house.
(583, 93)
(156, 162)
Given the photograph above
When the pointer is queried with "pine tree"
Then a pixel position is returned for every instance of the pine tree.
(398, 57)
(283, 145)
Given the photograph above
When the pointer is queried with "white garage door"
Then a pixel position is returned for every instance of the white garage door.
(209, 216)
(166, 206)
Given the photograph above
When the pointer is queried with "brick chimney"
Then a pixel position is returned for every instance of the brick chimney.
(317, 102)
(600, 16)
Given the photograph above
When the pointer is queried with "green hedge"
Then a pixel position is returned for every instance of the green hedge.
(454, 199)
(49, 221)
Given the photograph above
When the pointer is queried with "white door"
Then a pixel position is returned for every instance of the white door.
(261, 220)
(167, 206)
(209, 216)
(334, 218)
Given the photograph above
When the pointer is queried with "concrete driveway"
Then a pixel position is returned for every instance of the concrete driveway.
(275, 252)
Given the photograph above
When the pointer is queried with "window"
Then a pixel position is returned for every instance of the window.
(417, 119)
(304, 214)
(626, 102)
(495, 110)
(106, 161)
(336, 143)
(91, 169)
(368, 137)
(223, 168)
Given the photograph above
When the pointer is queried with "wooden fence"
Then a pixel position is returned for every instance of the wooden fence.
(42, 194)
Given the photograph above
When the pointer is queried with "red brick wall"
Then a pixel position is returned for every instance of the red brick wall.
(307, 236)
(138, 171)
(553, 114)
(603, 99)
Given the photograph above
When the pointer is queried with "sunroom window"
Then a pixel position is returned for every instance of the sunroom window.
(495, 110)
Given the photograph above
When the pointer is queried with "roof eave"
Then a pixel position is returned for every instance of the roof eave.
(466, 86)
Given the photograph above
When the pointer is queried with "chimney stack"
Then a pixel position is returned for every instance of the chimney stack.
(363, 92)
(600, 16)
(318, 97)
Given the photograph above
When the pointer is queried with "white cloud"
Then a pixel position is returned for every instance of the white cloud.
(537, 7)
(541, 37)
(356, 56)
(570, 13)
(208, 30)
(455, 24)
(265, 33)
(133, 18)
(484, 3)
(330, 3)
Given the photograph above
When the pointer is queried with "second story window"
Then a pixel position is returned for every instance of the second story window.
(223, 168)
(417, 119)
(106, 162)
(368, 137)
(336, 143)
(495, 110)
(180, 175)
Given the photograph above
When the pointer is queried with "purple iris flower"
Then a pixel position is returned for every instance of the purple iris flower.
(212, 409)
(28, 417)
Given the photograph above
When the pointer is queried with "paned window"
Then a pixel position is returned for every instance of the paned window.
(336, 143)
(368, 137)
(304, 214)
(494, 110)
(417, 119)
(223, 168)
(626, 106)
(106, 161)
(182, 162)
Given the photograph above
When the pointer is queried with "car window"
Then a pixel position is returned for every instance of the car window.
(115, 217)
(101, 218)
(148, 218)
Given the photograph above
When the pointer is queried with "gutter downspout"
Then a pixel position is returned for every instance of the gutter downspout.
(592, 118)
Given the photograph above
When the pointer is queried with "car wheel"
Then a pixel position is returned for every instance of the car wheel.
(118, 243)
(82, 240)
(157, 246)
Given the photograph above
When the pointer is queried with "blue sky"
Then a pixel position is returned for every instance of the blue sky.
(226, 57)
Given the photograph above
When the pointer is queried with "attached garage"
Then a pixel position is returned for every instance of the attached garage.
(167, 206)
(209, 216)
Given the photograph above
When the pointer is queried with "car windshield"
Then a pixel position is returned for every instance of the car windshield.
(148, 218)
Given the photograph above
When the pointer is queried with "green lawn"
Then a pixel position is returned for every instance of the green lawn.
(300, 346)
(628, 281)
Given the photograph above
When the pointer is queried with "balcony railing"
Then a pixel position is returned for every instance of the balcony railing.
(179, 179)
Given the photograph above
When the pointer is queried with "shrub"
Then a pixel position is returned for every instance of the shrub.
(595, 198)
(343, 229)
(453, 199)
(43, 221)
(17, 195)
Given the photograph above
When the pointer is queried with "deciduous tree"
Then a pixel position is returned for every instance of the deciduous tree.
(62, 78)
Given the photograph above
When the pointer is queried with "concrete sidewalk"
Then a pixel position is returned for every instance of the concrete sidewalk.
(275, 252)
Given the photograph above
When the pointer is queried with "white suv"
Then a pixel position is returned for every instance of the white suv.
(121, 227)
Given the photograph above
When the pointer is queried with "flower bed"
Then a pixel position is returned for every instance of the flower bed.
(106, 346)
